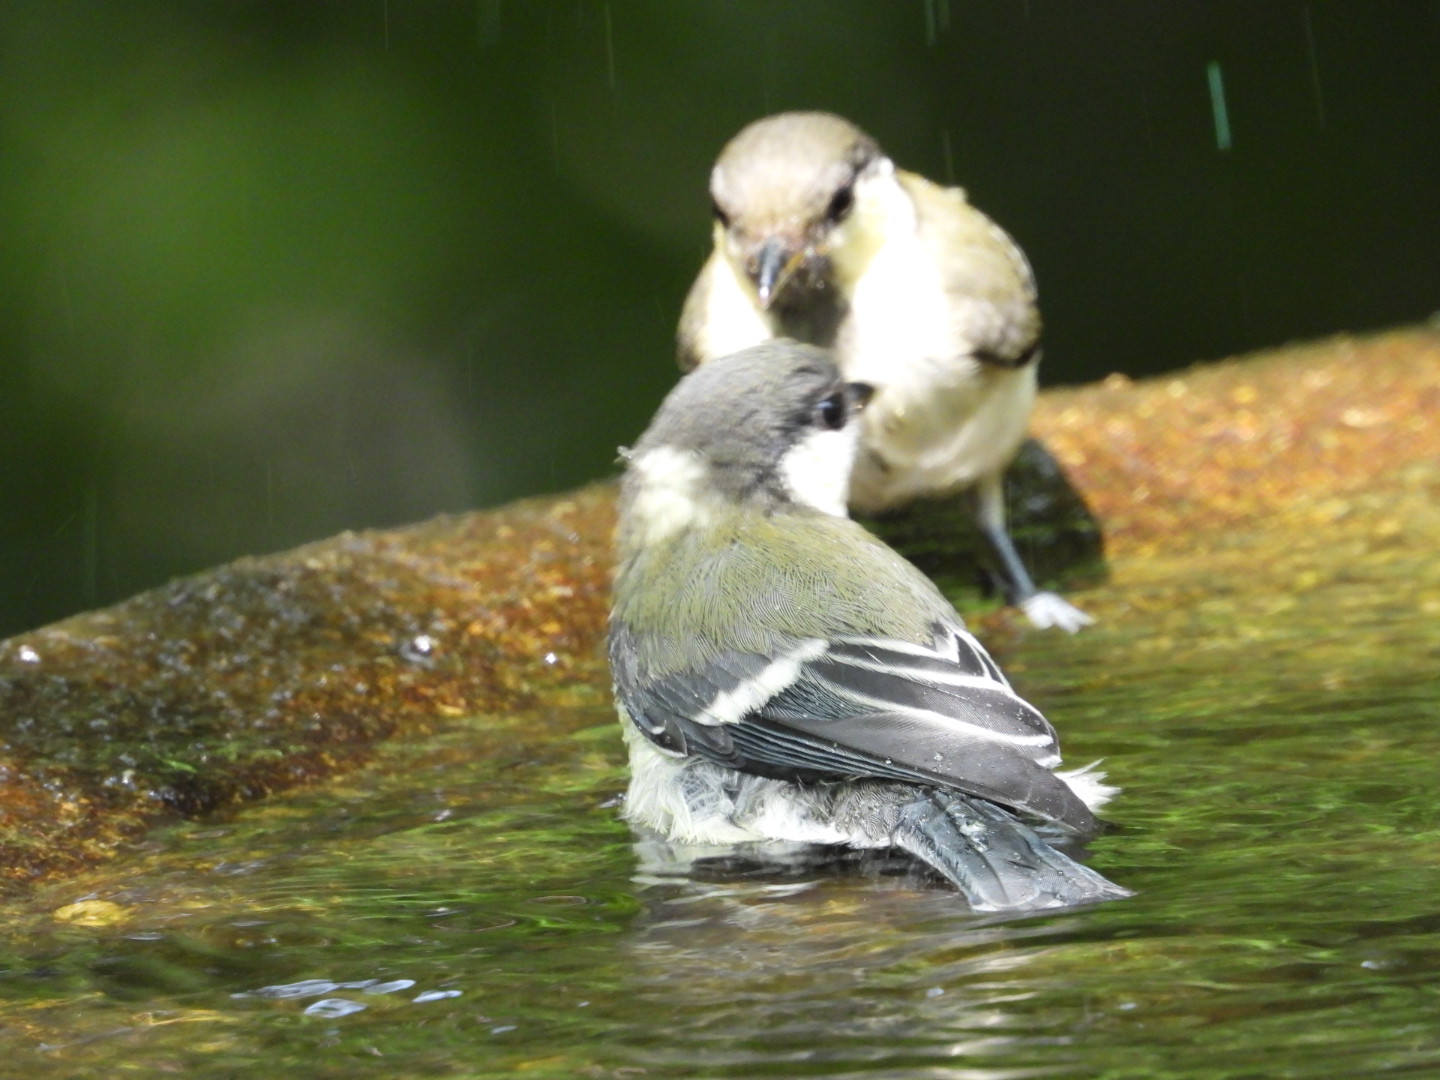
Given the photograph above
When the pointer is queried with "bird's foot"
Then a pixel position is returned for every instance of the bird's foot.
(1047, 609)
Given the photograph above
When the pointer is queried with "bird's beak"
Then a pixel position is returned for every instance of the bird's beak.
(774, 265)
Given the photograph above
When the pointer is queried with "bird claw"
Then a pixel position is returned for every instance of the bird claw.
(1049, 609)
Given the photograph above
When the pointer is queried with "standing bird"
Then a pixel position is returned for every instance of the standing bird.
(782, 674)
(819, 237)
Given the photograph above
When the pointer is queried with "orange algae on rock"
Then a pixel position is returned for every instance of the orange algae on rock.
(273, 671)
(1176, 458)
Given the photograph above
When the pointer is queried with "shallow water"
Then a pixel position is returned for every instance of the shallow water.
(470, 906)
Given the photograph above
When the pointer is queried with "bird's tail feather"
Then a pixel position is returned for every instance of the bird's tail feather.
(998, 862)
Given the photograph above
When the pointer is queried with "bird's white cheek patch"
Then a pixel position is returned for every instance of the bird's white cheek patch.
(816, 470)
(672, 495)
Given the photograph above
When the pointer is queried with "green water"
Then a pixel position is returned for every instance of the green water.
(1278, 751)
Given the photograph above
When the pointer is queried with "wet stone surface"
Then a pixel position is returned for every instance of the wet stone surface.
(275, 671)
(458, 898)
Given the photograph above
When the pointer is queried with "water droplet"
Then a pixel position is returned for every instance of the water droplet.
(503, 1028)
(935, 991)
(28, 655)
(551, 658)
(418, 650)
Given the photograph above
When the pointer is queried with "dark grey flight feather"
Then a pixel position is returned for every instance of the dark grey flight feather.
(842, 718)
(999, 863)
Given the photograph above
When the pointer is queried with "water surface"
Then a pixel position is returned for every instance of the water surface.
(469, 906)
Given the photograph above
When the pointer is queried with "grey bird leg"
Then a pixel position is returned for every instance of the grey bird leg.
(989, 499)
(1044, 609)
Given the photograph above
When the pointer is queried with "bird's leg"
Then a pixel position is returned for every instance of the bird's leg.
(989, 508)
(1044, 609)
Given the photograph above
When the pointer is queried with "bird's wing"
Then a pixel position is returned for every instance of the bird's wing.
(859, 707)
(984, 273)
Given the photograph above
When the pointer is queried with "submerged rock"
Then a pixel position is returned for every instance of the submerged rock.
(271, 672)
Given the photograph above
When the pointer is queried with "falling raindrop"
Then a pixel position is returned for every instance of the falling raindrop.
(487, 23)
(1314, 55)
(90, 546)
(937, 20)
(609, 49)
(555, 138)
(1217, 105)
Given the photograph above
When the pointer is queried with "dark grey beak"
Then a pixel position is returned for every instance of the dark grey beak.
(774, 264)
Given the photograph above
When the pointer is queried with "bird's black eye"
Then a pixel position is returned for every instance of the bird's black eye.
(831, 412)
(841, 203)
(720, 215)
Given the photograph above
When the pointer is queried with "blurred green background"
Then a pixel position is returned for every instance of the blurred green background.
(269, 270)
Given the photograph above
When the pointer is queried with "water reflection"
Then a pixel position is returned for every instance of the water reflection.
(842, 962)
(472, 906)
